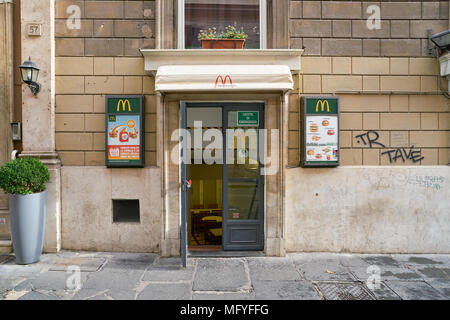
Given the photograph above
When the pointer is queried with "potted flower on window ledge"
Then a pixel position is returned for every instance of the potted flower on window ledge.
(24, 180)
(232, 38)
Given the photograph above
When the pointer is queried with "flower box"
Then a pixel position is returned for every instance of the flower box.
(223, 43)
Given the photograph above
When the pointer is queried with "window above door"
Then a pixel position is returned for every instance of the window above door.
(197, 15)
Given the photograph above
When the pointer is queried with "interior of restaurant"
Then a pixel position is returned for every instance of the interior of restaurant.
(205, 212)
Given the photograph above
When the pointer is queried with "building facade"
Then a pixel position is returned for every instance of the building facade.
(389, 193)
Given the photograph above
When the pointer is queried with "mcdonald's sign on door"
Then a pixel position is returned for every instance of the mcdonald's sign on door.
(250, 135)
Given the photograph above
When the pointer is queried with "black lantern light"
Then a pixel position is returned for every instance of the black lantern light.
(441, 40)
(29, 73)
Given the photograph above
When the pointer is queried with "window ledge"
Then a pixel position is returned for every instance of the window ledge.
(155, 58)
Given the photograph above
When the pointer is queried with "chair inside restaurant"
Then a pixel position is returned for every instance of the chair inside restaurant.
(205, 207)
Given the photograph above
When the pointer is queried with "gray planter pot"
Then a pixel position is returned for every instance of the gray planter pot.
(27, 214)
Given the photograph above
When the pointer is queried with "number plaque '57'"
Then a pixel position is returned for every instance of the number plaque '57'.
(34, 29)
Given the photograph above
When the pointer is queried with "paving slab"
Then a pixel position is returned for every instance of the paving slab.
(431, 272)
(384, 293)
(399, 274)
(50, 280)
(416, 260)
(169, 273)
(224, 296)
(415, 290)
(387, 273)
(285, 290)
(325, 270)
(442, 286)
(344, 291)
(113, 279)
(174, 261)
(86, 264)
(301, 258)
(11, 269)
(6, 258)
(269, 268)
(89, 294)
(423, 259)
(10, 283)
(100, 297)
(381, 260)
(130, 261)
(352, 260)
(220, 275)
(36, 295)
(116, 294)
(166, 291)
(3, 293)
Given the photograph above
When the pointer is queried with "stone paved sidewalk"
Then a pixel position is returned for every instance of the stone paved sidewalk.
(296, 276)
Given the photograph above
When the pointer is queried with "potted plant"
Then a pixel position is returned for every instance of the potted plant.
(24, 180)
(231, 38)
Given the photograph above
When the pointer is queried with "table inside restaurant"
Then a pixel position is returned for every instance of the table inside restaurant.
(208, 215)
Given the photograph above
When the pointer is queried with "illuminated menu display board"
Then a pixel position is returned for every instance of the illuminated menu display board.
(320, 130)
(124, 131)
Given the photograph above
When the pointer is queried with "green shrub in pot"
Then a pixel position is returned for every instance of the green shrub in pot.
(24, 176)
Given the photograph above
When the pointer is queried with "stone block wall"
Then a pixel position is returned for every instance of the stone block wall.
(100, 57)
(338, 28)
(371, 100)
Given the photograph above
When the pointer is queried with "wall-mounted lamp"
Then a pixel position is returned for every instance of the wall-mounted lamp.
(441, 40)
(30, 73)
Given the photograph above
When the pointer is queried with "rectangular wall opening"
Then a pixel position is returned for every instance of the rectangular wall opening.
(126, 211)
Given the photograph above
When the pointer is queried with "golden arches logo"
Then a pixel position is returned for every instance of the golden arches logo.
(223, 81)
(124, 103)
(244, 135)
(322, 105)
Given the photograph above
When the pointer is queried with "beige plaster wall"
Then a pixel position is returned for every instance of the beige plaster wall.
(87, 222)
(368, 209)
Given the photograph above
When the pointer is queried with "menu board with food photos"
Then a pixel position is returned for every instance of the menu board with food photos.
(124, 131)
(320, 130)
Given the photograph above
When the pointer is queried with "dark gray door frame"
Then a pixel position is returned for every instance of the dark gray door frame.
(226, 106)
(228, 243)
(184, 189)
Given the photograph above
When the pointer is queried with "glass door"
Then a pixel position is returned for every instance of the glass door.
(243, 184)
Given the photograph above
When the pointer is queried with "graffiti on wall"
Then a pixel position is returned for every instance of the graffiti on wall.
(430, 182)
(370, 138)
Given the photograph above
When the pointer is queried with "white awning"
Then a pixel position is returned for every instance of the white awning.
(223, 78)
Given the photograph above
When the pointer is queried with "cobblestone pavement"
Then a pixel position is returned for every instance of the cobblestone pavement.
(299, 276)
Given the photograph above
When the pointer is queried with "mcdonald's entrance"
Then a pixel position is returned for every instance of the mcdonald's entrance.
(222, 186)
